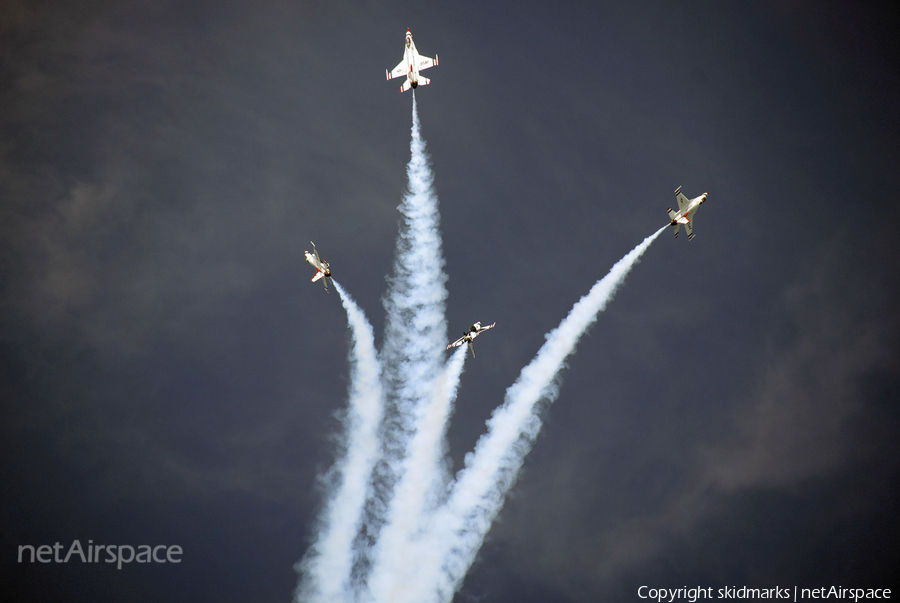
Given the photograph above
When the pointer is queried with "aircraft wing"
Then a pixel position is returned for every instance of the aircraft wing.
(425, 62)
(689, 227)
(398, 71)
(317, 276)
(472, 348)
(457, 343)
(682, 200)
(488, 327)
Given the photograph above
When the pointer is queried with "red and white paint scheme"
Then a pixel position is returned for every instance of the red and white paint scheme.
(411, 65)
(321, 266)
(686, 211)
(473, 332)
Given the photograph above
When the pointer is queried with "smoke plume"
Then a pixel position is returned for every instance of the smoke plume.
(396, 528)
(327, 566)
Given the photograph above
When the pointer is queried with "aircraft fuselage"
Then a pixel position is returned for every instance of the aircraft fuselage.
(411, 56)
(683, 216)
(315, 263)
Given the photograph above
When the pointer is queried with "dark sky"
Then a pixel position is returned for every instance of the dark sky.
(169, 375)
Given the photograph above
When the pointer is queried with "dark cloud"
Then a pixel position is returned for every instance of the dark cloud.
(167, 373)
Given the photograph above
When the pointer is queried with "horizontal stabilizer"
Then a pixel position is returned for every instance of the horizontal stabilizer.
(316, 277)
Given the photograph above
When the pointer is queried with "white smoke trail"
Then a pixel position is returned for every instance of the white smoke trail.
(415, 336)
(421, 489)
(458, 528)
(436, 422)
(415, 539)
(416, 327)
(327, 566)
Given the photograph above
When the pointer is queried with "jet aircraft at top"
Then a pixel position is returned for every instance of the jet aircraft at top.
(686, 211)
(410, 66)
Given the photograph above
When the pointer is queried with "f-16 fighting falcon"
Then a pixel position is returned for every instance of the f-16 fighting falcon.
(411, 65)
(473, 332)
(686, 211)
(321, 266)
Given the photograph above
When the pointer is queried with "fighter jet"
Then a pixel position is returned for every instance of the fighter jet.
(686, 211)
(321, 266)
(411, 65)
(473, 332)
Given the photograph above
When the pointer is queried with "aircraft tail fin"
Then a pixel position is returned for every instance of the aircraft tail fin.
(472, 349)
